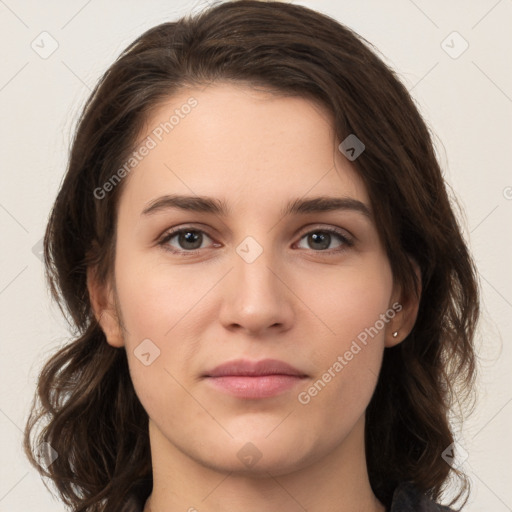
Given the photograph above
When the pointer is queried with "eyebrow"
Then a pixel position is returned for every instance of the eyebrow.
(219, 207)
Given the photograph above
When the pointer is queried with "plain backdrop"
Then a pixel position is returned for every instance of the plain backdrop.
(454, 57)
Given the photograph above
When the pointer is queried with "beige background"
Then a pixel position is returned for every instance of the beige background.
(466, 100)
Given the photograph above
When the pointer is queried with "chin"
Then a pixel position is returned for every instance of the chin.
(257, 455)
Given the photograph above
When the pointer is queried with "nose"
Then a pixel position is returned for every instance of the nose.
(256, 296)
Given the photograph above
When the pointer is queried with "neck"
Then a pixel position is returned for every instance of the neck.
(336, 482)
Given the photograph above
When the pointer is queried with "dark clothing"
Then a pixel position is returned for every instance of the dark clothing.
(406, 498)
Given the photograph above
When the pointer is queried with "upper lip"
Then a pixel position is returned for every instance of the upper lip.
(254, 368)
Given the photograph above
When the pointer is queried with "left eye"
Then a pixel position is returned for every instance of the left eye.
(190, 240)
(322, 239)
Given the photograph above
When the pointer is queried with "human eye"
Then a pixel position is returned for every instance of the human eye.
(320, 239)
(189, 240)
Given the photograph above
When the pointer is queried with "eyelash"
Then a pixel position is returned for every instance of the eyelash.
(346, 242)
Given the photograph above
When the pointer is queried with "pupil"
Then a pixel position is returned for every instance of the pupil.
(190, 237)
(324, 237)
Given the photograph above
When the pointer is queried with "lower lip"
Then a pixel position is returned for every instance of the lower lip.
(263, 386)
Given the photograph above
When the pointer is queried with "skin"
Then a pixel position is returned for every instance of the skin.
(295, 302)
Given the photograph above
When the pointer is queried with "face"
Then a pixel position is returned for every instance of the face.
(311, 288)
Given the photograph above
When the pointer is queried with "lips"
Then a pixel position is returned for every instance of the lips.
(246, 368)
(245, 379)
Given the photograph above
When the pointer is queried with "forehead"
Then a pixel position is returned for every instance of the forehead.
(248, 147)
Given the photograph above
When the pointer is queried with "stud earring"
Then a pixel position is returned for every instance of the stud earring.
(395, 334)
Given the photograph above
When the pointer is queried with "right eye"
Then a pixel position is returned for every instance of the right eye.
(190, 239)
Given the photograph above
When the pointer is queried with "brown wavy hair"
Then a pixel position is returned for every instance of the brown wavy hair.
(93, 418)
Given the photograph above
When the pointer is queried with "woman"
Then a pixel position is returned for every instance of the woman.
(274, 304)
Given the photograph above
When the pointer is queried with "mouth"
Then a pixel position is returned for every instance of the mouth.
(254, 380)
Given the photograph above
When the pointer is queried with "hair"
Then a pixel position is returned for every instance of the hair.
(93, 418)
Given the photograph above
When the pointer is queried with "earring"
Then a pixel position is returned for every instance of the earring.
(395, 334)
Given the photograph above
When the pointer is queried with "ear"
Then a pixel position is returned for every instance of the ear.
(104, 307)
(406, 308)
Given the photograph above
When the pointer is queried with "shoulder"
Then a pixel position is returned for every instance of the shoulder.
(407, 498)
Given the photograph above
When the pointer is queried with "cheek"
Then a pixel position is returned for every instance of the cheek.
(350, 300)
(155, 296)
(348, 354)
(163, 309)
